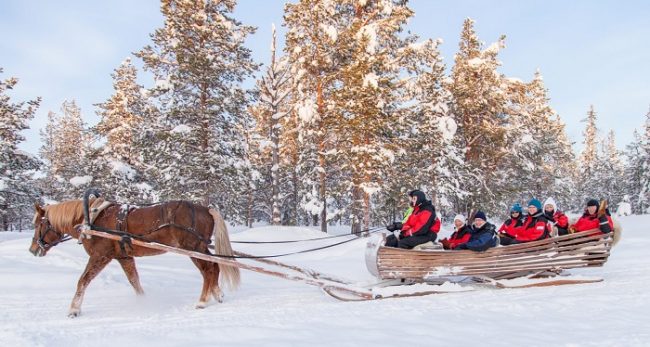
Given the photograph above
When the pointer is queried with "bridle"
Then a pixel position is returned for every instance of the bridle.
(44, 245)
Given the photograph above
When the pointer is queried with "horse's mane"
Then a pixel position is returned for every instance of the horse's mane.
(64, 216)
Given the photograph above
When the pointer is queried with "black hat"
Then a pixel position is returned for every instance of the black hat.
(480, 215)
(592, 202)
(419, 195)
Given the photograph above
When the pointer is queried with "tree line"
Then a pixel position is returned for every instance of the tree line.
(351, 115)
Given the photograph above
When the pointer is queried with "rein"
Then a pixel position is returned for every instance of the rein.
(42, 244)
(125, 236)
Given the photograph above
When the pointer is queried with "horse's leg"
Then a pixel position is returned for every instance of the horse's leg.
(207, 271)
(216, 290)
(94, 266)
(128, 265)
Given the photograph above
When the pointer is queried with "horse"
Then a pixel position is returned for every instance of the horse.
(180, 224)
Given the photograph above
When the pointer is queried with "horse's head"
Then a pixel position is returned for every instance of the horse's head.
(45, 235)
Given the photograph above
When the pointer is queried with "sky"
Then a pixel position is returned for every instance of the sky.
(589, 52)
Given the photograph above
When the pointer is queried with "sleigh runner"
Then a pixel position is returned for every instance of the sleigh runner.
(546, 257)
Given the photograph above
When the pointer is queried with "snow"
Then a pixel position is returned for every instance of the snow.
(475, 62)
(370, 79)
(307, 111)
(121, 168)
(274, 312)
(330, 31)
(181, 129)
(447, 127)
(78, 181)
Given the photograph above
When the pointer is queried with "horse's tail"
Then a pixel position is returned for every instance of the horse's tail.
(618, 230)
(229, 273)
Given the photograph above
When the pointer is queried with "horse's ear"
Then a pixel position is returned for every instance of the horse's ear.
(38, 208)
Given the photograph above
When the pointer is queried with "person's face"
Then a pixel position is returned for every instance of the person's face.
(515, 214)
(548, 208)
(592, 209)
(532, 210)
(413, 200)
(478, 222)
(458, 223)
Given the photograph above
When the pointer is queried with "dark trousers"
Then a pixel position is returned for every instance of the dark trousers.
(408, 242)
(562, 232)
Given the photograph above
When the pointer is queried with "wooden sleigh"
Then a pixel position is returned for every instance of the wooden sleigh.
(540, 262)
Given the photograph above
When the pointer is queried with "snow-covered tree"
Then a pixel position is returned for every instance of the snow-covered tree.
(199, 62)
(479, 104)
(311, 46)
(644, 164)
(270, 115)
(17, 186)
(540, 159)
(119, 162)
(610, 171)
(586, 185)
(68, 153)
(634, 174)
(433, 159)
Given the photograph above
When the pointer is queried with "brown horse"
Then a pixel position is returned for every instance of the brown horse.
(178, 224)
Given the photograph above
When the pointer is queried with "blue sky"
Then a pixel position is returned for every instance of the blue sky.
(589, 52)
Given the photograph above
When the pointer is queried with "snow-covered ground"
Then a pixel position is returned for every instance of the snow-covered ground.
(35, 294)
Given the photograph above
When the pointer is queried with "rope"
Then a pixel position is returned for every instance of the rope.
(137, 237)
(370, 230)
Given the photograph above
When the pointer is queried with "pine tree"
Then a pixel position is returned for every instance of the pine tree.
(541, 158)
(644, 163)
(68, 153)
(119, 162)
(610, 171)
(434, 161)
(634, 174)
(479, 104)
(587, 186)
(311, 46)
(17, 186)
(270, 114)
(199, 61)
(346, 56)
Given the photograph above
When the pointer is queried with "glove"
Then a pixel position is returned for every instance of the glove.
(445, 243)
(394, 226)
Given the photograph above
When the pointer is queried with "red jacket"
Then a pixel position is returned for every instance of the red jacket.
(533, 228)
(435, 228)
(590, 222)
(508, 227)
(459, 236)
(561, 220)
(422, 221)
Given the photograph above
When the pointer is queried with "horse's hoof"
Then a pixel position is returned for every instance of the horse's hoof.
(218, 297)
(200, 305)
(74, 314)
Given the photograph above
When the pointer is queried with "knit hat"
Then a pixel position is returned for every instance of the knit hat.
(515, 208)
(536, 203)
(480, 215)
(550, 201)
(592, 202)
(459, 217)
